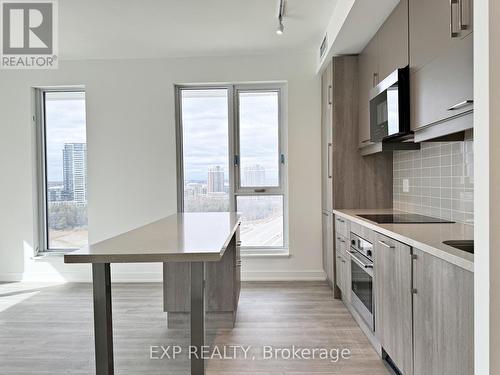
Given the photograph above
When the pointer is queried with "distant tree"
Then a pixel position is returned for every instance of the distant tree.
(67, 215)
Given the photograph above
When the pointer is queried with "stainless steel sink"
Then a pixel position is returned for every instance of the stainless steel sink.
(464, 245)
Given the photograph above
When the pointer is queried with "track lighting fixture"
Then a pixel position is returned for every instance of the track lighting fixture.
(281, 12)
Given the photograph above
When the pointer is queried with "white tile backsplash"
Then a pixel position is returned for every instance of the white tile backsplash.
(441, 180)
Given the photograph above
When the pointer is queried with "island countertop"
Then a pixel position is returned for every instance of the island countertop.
(182, 237)
(426, 237)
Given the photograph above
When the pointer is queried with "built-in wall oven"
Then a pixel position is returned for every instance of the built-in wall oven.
(362, 296)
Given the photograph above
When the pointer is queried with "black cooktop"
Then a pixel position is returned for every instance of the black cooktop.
(403, 219)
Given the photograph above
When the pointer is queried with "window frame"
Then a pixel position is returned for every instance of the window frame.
(235, 188)
(250, 190)
(39, 118)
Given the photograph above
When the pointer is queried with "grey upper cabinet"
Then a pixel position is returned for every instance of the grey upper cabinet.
(326, 138)
(393, 41)
(441, 65)
(393, 300)
(368, 78)
(386, 52)
(443, 317)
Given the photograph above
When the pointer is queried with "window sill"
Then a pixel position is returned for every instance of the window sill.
(50, 254)
(265, 253)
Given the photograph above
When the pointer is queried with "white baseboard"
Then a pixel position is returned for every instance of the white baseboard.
(11, 276)
(283, 275)
(150, 277)
(120, 277)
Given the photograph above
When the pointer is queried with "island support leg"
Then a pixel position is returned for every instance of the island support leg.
(197, 316)
(103, 330)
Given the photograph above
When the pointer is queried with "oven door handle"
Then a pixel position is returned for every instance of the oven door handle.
(359, 261)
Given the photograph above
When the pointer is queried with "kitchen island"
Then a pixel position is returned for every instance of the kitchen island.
(196, 239)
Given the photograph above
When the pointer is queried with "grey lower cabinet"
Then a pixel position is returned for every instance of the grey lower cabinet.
(443, 317)
(222, 289)
(343, 267)
(328, 244)
(393, 300)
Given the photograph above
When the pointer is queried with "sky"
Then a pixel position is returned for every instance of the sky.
(65, 123)
(205, 132)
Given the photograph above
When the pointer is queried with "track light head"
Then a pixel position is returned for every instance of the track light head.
(280, 28)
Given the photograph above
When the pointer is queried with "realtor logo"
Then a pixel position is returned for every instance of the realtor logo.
(28, 34)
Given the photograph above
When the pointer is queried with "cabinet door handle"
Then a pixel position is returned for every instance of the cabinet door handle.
(375, 79)
(462, 25)
(329, 162)
(340, 239)
(330, 92)
(453, 33)
(386, 245)
(461, 105)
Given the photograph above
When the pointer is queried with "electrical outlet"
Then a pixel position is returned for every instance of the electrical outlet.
(406, 185)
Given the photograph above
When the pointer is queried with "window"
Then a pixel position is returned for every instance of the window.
(232, 157)
(62, 155)
(205, 143)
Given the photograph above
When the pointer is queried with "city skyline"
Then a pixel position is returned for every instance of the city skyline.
(65, 123)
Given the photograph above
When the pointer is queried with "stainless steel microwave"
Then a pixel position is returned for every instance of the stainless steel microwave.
(390, 106)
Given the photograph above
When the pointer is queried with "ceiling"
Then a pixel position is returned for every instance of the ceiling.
(178, 28)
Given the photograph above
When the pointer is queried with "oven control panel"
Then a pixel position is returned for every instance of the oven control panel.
(362, 246)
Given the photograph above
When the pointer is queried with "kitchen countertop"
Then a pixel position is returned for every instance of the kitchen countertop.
(182, 237)
(425, 237)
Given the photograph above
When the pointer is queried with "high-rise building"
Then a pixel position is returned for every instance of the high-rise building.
(215, 180)
(55, 193)
(75, 172)
(254, 175)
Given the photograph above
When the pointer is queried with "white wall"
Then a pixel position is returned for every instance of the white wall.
(131, 156)
(487, 206)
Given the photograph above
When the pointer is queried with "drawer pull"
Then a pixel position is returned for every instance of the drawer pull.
(340, 220)
(461, 105)
(340, 239)
(386, 245)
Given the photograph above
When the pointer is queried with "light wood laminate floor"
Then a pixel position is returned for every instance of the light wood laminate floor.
(48, 329)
